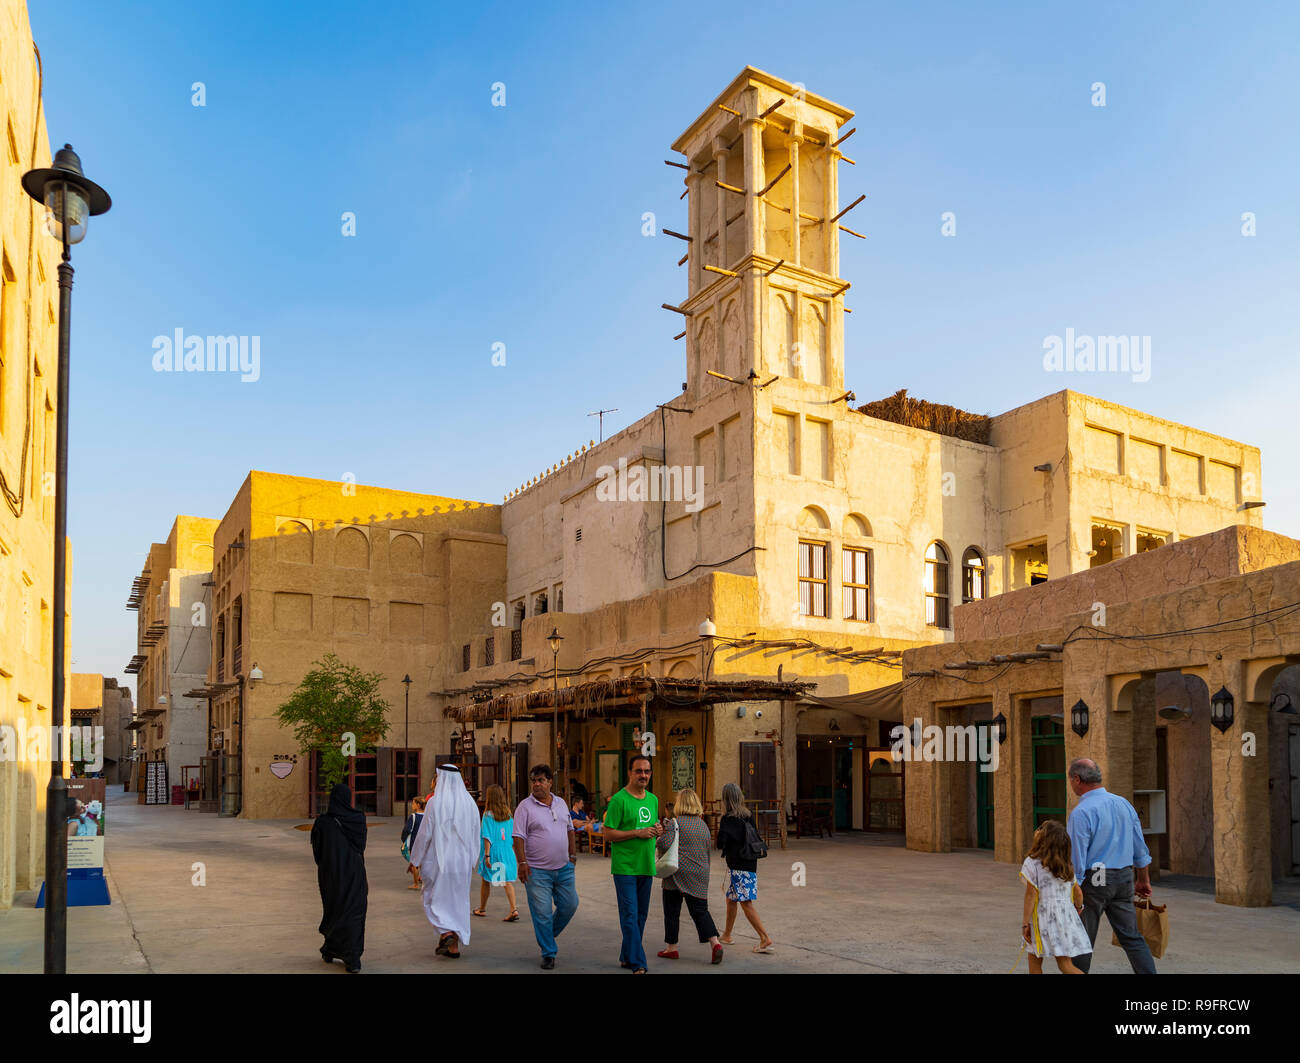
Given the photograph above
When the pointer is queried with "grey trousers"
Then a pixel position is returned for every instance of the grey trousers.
(1115, 898)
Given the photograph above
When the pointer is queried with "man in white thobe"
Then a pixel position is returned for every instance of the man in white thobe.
(445, 849)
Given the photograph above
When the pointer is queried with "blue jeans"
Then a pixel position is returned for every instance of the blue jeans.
(552, 900)
(633, 893)
(1116, 900)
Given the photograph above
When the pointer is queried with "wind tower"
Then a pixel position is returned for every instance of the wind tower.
(764, 292)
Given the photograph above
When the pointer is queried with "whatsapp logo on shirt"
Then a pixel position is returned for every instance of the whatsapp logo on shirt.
(643, 815)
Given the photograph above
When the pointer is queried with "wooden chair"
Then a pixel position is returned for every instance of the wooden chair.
(596, 842)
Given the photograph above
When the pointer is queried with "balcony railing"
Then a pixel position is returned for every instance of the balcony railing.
(490, 651)
(221, 670)
(516, 643)
(236, 660)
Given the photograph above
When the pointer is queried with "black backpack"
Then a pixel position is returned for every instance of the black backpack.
(753, 848)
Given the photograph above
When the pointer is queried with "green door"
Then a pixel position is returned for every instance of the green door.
(1048, 740)
(983, 795)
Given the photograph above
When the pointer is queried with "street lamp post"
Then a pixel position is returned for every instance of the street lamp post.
(70, 201)
(406, 752)
(555, 638)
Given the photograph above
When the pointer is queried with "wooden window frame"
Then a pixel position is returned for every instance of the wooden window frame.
(967, 569)
(812, 582)
(937, 615)
(850, 587)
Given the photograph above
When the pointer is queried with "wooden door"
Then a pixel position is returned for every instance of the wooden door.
(758, 773)
(608, 776)
(885, 783)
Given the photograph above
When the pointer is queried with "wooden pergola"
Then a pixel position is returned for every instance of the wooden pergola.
(631, 696)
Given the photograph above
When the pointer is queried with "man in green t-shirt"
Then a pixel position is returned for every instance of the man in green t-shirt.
(631, 826)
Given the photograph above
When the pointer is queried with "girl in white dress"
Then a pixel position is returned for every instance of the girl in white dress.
(1053, 902)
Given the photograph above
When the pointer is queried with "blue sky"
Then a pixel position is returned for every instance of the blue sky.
(522, 225)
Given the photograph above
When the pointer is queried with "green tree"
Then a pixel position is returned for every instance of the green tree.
(338, 712)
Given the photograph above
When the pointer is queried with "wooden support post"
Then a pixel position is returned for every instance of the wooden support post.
(771, 184)
(680, 236)
(779, 742)
(849, 207)
(845, 228)
(682, 260)
(510, 757)
(729, 110)
(841, 140)
(679, 165)
(724, 272)
(676, 310)
(680, 334)
(730, 188)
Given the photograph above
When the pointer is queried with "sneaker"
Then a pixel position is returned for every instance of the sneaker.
(548, 963)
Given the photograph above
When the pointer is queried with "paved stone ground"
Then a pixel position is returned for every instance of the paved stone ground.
(869, 906)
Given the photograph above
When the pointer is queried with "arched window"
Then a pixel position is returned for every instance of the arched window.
(936, 585)
(973, 585)
(814, 563)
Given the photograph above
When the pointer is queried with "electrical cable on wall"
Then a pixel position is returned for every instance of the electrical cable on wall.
(663, 512)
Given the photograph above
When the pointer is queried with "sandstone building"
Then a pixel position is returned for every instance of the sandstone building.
(173, 601)
(99, 703)
(827, 538)
(750, 569)
(28, 374)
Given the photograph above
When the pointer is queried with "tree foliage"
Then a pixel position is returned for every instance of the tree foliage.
(335, 700)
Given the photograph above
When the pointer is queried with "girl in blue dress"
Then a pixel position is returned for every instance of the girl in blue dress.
(496, 861)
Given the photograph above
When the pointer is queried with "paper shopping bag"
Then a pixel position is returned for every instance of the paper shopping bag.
(1152, 924)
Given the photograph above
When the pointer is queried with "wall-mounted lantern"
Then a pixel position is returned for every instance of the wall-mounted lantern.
(1079, 718)
(1221, 714)
(1000, 722)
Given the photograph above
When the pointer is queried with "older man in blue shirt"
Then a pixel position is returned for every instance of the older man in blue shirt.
(1110, 860)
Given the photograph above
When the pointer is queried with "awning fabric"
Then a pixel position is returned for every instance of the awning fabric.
(882, 703)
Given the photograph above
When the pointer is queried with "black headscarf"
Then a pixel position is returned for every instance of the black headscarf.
(352, 820)
(338, 840)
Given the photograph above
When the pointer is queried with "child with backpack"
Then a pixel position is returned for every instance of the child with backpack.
(742, 848)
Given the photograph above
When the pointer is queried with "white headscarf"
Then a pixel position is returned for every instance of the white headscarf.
(446, 847)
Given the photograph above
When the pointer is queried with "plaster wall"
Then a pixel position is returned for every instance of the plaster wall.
(1226, 552)
(1219, 784)
(29, 357)
(177, 605)
(391, 581)
(1164, 477)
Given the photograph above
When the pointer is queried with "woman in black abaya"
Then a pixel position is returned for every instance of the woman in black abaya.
(338, 839)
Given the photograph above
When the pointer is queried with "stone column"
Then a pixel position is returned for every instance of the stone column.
(754, 180)
(720, 165)
(1239, 767)
(1013, 814)
(796, 134)
(921, 781)
(694, 249)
